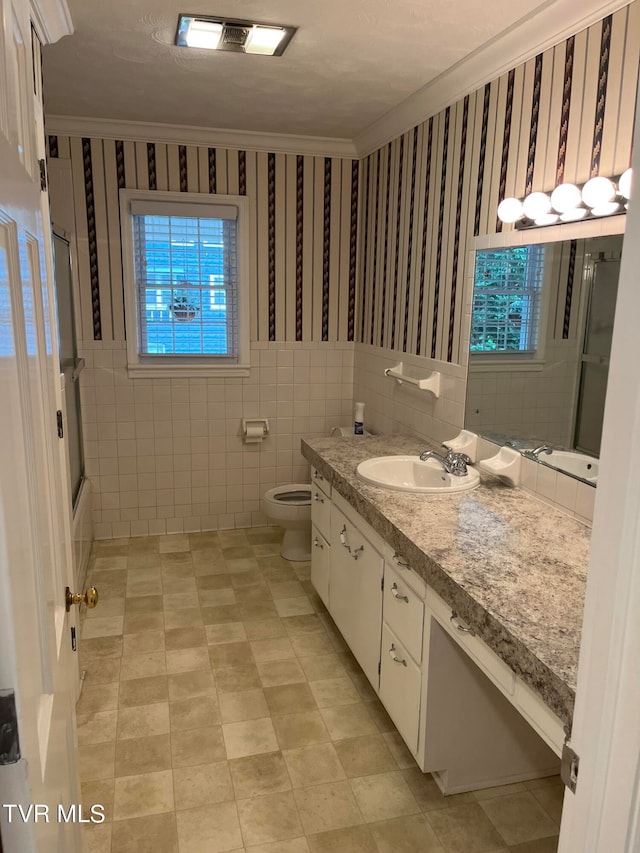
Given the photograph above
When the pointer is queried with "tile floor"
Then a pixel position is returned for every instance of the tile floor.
(221, 711)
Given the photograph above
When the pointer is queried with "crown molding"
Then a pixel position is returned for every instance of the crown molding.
(51, 19)
(187, 135)
(550, 24)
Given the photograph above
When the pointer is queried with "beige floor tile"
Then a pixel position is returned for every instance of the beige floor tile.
(405, 835)
(98, 697)
(519, 818)
(172, 585)
(147, 794)
(213, 828)
(224, 655)
(197, 746)
(200, 541)
(208, 562)
(257, 611)
(240, 579)
(288, 589)
(143, 721)
(188, 617)
(101, 670)
(271, 533)
(427, 794)
(196, 713)
(464, 829)
(303, 729)
(227, 632)
(216, 597)
(313, 765)
(221, 614)
(363, 686)
(399, 750)
(255, 775)
(245, 705)
(138, 623)
(291, 845)
(99, 648)
(187, 685)
(274, 673)
(334, 691)
(279, 648)
(271, 817)
(157, 833)
(143, 604)
(290, 699)
(363, 756)
(249, 737)
(175, 570)
(347, 721)
(143, 755)
(298, 606)
(299, 626)
(355, 839)
(214, 581)
(265, 629)
(383, 796)
(241, 564)
(311, 645)
(499, 791)
(97, 728)
(185, 638)
(180, 601)
(173, 542)
(96, 838)
(143, 561)
(143, 691)
(255, 592)
(236, 552)
(97, 761)
(141, 666)
(325, 807)
(102, 626)
(236, 679)
(202, 785)
(148, 641)
(551, 800)
(110, 563)
(98, 792)
(541, 845)
(319, 667)
(144, 585)
(187, 660)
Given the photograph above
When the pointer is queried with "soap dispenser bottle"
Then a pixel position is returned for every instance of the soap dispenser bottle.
(358, 421)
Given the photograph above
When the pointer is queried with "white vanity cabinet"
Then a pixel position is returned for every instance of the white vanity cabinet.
(320, 534)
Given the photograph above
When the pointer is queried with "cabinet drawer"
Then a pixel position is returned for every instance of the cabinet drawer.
(319, 481)
(320, 565)
(400, 686)
(405, 571)
(320, 510)
(487, 660)
(403, 611)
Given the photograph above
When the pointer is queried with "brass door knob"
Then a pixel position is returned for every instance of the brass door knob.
(89, 597)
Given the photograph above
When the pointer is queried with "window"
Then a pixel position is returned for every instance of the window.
(506, 300)
(185, 283)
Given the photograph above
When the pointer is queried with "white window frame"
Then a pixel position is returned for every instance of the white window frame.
(140, 365)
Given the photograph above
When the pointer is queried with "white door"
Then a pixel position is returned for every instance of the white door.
(37, 664)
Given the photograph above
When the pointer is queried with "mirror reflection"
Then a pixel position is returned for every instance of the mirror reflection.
(541, 330)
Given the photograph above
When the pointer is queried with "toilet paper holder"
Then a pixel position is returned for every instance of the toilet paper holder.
(255, 430)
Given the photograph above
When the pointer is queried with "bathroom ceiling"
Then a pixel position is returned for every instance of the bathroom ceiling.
(350, 62)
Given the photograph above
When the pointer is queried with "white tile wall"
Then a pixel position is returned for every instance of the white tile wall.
(167, 455)
(393, 408)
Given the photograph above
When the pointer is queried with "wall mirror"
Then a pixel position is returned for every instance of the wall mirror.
(541, 329)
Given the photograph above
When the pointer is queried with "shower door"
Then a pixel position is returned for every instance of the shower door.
(594, 368)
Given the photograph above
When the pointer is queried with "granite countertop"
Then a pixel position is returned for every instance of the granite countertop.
(513, 567)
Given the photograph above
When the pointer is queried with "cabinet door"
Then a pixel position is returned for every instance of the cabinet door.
(400, 686)
(356, 592)
(320, 560)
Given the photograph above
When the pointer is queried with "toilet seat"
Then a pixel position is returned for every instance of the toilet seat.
(293, 494)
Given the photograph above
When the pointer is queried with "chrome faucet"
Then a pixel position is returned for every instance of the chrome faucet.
(534, 454)
(453, 463)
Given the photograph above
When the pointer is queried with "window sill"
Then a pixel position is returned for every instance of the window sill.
(505, 365)
(186, 371)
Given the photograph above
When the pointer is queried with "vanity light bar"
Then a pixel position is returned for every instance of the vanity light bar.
(211, 33)
(599, 197)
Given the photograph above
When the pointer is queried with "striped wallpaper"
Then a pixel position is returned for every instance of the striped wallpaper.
(303, 222)
(567, 114)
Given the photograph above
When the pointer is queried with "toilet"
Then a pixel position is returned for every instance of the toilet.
(290, 507)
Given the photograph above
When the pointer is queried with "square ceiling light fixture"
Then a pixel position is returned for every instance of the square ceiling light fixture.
(236, 36)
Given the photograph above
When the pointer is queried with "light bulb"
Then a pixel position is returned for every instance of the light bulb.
(203, 34)
(547, 219)
(566, 197)
(574, 215)
(536, 205)
(625, 183)
(264, 40)
(510, 210)
(606, 209)
(598, 191)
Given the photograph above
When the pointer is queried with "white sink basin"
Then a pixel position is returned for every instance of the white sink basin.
(409, 474)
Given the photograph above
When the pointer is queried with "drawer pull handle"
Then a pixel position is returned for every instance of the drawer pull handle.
(394, 657)
(400, 562)
(317, 497)
(464, 628)
(356, 551)
(317, 475)
(317, 543)
(343, 539)
(396, 594)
